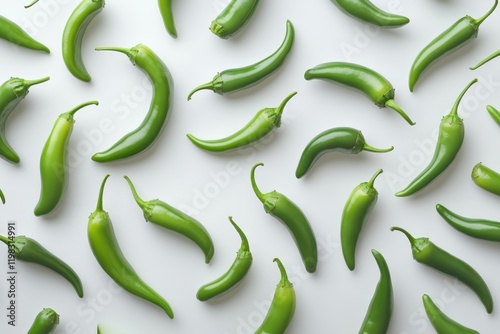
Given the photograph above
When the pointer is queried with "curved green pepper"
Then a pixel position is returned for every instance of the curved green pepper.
(167, 16)
(233, 17)
(441, 322)
(13, 33)
(365, 11)
(486, 178)
(45, 322)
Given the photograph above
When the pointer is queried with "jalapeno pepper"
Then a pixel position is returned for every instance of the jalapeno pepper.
(259, 127)
(459, 34)
(450, 139)
(426, 252)
(342, 139)
(167, 16)
(365, 11)
(105, 247)
(29, 250)
(12, 92)
(282, 308)
(13, 33)
(441, 322)
(283, 209)
(360, 78)
(236, 79)
(45, 322)
(486, 178)
(233, 17)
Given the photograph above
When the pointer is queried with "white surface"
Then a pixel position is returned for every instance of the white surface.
(331, 300)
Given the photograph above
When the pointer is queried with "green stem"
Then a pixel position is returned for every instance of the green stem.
(372, 180)
(208, 85)
(5, 240)
(29, 83)
(113, 48)
(391, 104)
(78, 107)
(31, 4)
(101, 192)
(454, 110)
(254, 184)
(408, 235)
(281, 107)
(485, 16)
(369, 148)
(244, 241)
(137, 199)
(485, 60)
(284, 276)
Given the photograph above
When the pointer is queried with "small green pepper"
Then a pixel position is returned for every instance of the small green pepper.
(441, 322)
(233, 17)
(486, 178)
(45, 322)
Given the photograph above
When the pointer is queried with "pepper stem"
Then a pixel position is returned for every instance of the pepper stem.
(5, 240)
(369, 148)
(284, 276)
(485, 60)
(372, 180)
(208, 85)
(244, 241)
(281, 107)
(391, 104)
(31, 4)
(485, 16)
(137, 199)
(29, 83)
(454, 110)
(408, 235)
(113, 48)
(254, 184)
(101, 192)
(78, 107)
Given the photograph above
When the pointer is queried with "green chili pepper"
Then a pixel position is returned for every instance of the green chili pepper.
(486, 178)
(494, 113)
(341, 139)
(151, 127)
(462, 32)
(162, 214)
(283, 209)
(450, 139)
(485, 60)
(356, 211)
(53, 162)
(282, 308)
(233, 18)
(73, 34)
(102, 240)
(12, 92)
(360, 78)
(477, 228)
(234, 276)
(259, 127)
(441, 322)
(365, 11)
(426, 252)
(167, 16)
(45, 322)
(29, 250)
(240, 78)
(13, 33)
(379, 312)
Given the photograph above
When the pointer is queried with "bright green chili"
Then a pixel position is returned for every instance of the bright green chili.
(12, 92)
(53, 162)
(450, 139)
(441, 322)
(486, 178)
(235, 274)
(485, 60)
(105, 247)
(356, 211)
(233, 17)
(45, 322)
(462, 32)
(365, 11)
(474, 227)
(164, 215)
(167, 16)
(28, 250)
(494, 113)
(259, 127)
(360, 78)
(73, 34)
(282, 308)
(426, 252)
(240, 78)
(146, 134)
(379, 312)
(341, 139)
(283, 209)
(13, 33)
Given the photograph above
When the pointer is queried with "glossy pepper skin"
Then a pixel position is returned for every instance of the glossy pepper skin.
(494, 113)
(365, 11)
(259, 127)
(282, 308)
(164, 215)
(356, 212)
(12, 92)
(53, 162)
(45, 322)
(73, 34)
(108, 254)
(165, 7)
(237, 79)
(235, 274)
(341, 139)
(450, 139)
(360, 78)
(459, 34)
(13, 33)
(283, 209)
(146, 134)
(28, 250)
(486, 178)
(379, 312)
(426, 252)
(474, 227)
(233, 17)
(441, 322)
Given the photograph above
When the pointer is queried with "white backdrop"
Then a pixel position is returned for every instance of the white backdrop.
(212, 187)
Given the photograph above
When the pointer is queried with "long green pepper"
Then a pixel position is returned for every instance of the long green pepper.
(366, 11)
(441, 322)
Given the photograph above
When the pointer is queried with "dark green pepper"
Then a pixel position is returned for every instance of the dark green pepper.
(45, 322)
(233, 17)
(486, 178)
(441, 322)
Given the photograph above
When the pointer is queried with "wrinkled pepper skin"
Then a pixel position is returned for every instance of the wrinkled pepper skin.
(13, 33)
(441, 322)
(45, 322)
(233, 17)
(365, 11)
